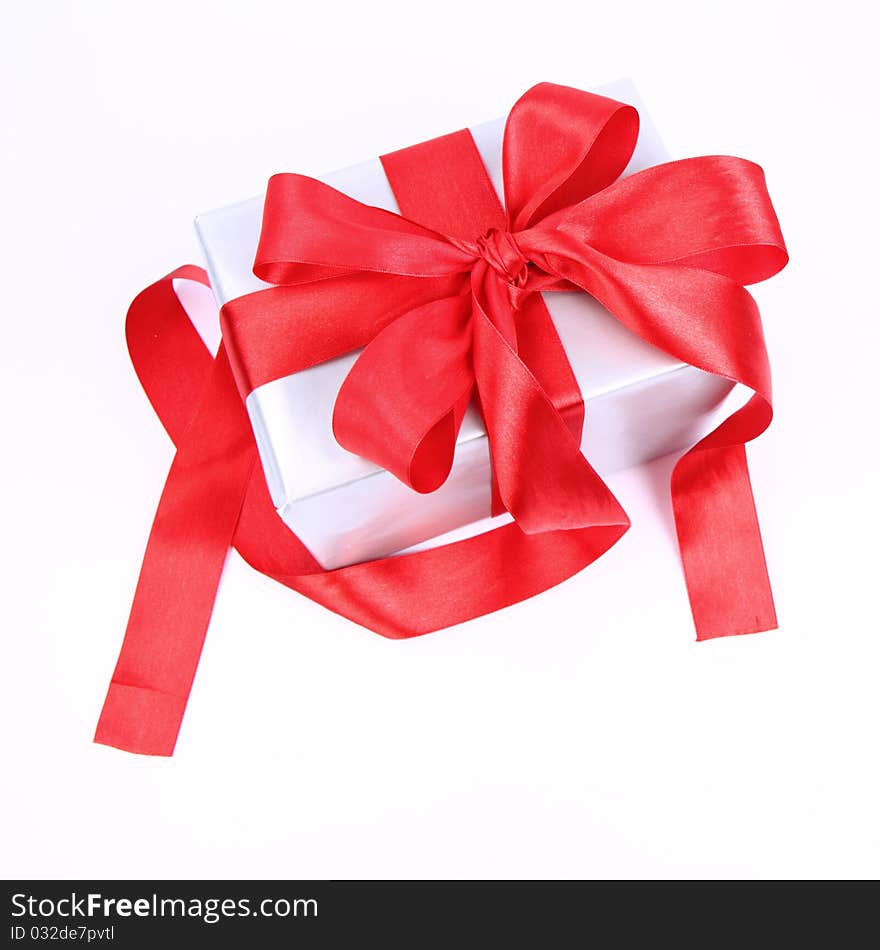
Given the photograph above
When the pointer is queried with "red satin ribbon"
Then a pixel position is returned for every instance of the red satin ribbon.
(448, 295)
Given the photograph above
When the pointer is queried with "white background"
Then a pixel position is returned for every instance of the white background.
(583, 733)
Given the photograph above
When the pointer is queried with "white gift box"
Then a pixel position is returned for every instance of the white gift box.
(640, 402)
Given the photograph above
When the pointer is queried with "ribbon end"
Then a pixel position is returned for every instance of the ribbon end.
(139, 719)
(728, 626)
(758, 626)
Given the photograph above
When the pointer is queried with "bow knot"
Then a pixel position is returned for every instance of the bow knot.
(501, 252)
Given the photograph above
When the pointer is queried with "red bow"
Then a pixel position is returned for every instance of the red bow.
(446, 316)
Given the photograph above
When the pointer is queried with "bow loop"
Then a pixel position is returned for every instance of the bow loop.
(700, 317)
(562, 145)
(402, 403)
(711, 212)
(311, 230)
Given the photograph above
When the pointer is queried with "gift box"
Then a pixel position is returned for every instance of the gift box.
(416, 364)
(640, 402)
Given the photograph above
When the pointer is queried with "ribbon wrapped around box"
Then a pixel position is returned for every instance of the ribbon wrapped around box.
(437, 310)
(640, 401)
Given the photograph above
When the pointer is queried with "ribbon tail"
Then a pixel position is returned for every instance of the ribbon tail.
(543, 478)
(718, 532)
(541, 350)
(191, 535)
